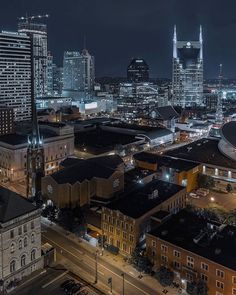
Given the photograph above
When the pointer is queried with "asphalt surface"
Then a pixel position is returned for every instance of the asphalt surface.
(80, 259)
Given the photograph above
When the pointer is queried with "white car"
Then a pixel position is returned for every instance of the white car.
(194, 196)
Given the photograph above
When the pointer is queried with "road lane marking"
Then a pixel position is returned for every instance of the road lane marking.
(98, 264)
(55, 279)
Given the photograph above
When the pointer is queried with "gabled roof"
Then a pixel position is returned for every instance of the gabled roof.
(13, 205)
(80, 170)
(167, 113)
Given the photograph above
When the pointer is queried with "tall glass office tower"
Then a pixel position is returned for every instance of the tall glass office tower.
(187, 75)
(78, 73)
(15, 74)
(39, 34)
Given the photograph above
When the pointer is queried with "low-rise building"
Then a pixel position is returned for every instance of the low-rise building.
(82, 181)
(58, 144)
(20, 239)
(126, 220)
(196, 250)
(170, 169)
(217, 158)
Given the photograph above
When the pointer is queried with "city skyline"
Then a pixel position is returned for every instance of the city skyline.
(143, 31)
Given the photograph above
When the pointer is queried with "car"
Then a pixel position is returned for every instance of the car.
(62, 286)
(68, 287)
(193, 195)
(75, 289)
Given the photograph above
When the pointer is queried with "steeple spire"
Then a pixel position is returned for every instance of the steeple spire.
(201, 42)
(175, 43)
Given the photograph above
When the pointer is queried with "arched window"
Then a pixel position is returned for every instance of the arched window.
(12, 248)
(20, 244)
(23, 260)
(33, 254)
(13, 266)
(25, 242)
(32, 238)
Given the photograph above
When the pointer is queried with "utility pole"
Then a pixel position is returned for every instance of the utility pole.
(96, 267)
(110, 283)
(123, 283)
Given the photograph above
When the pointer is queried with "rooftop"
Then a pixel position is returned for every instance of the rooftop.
(228, 133)
(177, 164)
(203, 151)
(100, 167)
(99, 141)
(166, 113)
(144, 198)
(13, 205)
(199, 236)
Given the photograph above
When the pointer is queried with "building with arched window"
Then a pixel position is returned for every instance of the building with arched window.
(20, 238)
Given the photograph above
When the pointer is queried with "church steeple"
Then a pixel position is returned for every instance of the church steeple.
(35, 150)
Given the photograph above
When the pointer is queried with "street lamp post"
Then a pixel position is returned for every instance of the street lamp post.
(96, 267)
(123, 285)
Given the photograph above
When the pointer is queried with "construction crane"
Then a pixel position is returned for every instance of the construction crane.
(28, 19)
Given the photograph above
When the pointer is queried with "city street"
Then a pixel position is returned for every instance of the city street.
(81, 260)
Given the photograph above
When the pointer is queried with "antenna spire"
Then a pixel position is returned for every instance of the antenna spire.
(175, 43)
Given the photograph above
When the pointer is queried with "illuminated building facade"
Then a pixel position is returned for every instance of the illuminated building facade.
(15, 78)
(138, 71)
(38, 32)
(187, 72)
(78, 73)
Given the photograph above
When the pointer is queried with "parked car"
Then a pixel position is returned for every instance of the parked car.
(75, 289)
(194, 196)
(63, 285)
(202, 192)
(68, 287)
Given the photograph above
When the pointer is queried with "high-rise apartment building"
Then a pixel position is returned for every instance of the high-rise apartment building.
(138, 71)
(15, 74)
(57, 75)
(50, 74)
(38, 32)
(187, 75)
(78, 73)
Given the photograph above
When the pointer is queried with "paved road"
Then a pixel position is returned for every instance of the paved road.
(226, 201)
(76, 255)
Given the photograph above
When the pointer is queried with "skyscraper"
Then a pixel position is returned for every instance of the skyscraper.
(57, 75)
(138, 71)
(187, 75)
(15, 74)
(38, 32)
(50, 74)
(78, 73)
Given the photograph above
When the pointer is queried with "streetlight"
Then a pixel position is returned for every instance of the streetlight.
(110, 283)
(96, 267)
(123, 289)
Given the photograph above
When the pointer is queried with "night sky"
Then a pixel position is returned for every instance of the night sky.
(117, 30)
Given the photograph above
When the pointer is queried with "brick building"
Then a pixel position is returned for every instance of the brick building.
(196, 249)
(126, 220)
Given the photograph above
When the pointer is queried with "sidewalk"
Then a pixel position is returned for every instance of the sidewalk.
(118, 261)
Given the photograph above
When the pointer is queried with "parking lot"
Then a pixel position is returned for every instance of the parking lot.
(50, 283)
(226, 201)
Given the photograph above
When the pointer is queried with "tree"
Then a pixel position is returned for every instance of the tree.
(205, 181)
(199, 288)
(140, 261)
(229, 188)
(165, 276)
